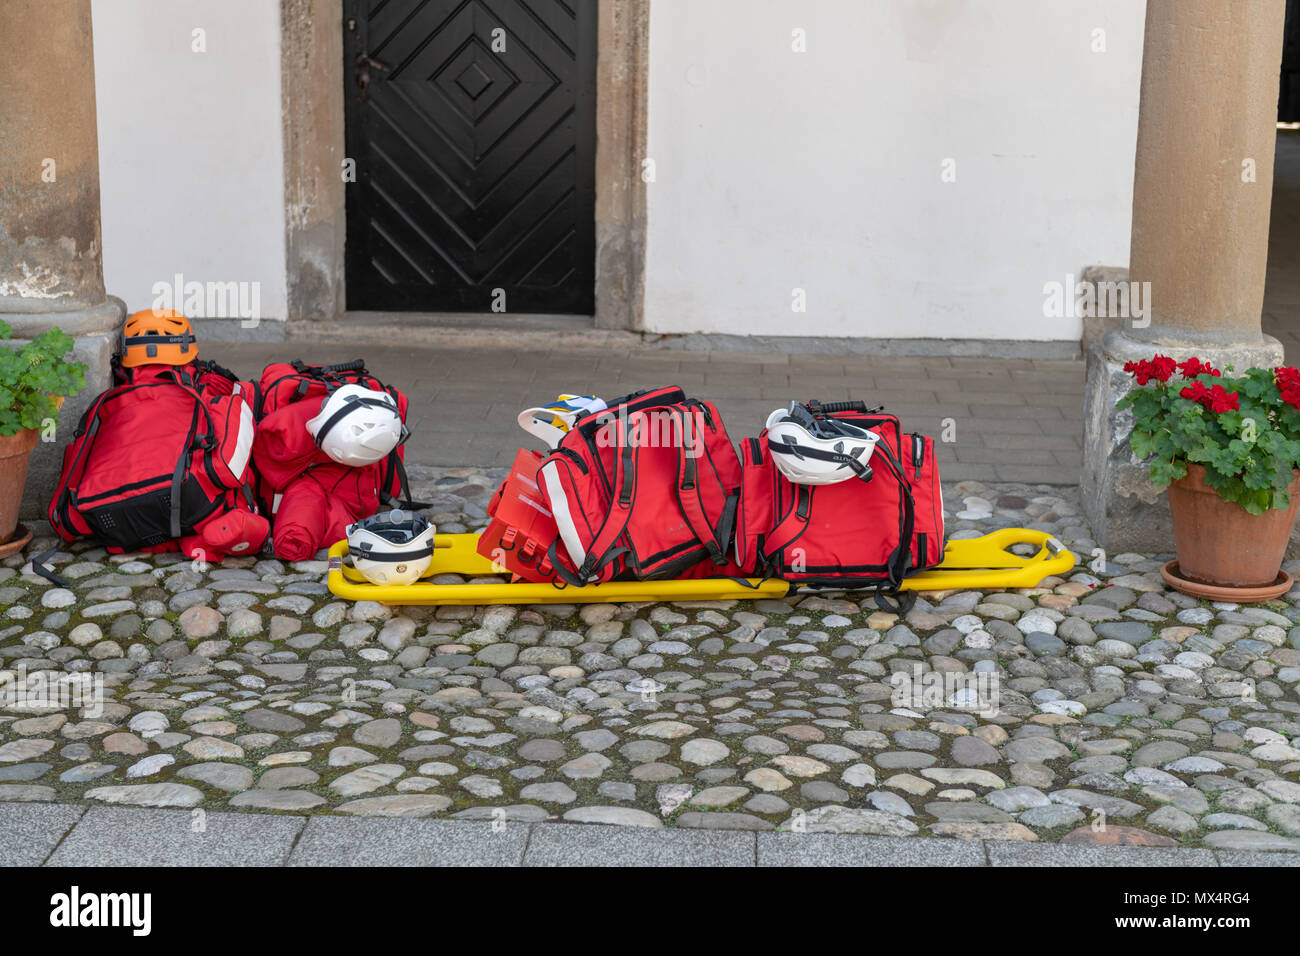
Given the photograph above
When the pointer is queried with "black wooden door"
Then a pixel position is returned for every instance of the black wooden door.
(1288, 101)
(472, 125)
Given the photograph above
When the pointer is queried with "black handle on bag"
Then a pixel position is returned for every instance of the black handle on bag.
(219, 369)
(356, 365)
(831, 408)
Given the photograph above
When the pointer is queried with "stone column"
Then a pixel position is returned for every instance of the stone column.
(311, 93)
(1202, 188)
(622, 69)
(51, 268)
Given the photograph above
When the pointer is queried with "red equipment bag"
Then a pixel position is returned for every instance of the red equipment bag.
(853, 533)
(316, 508)
(211, 378)
(283, 383)
(521, 527)
(284, 450)
(647, 488)
(155, 457)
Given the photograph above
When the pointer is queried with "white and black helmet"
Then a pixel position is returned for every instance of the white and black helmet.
(394, 547)
(811, 450)
(358, 426)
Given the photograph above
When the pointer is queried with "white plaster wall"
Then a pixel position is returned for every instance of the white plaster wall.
(190, 146)
(822, 170)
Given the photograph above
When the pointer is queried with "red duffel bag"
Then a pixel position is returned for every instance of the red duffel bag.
(872, 530)
(286, 396)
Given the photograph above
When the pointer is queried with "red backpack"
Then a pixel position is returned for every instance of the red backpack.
(155, 456)
(851, 534)
(647, 488)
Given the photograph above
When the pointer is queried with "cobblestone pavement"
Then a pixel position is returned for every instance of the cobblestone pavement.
(1110, 710)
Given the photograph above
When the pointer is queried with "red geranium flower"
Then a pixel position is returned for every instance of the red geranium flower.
(1159, 368)
(1222, 401)
(1216, 399)
(1288, 383)
(1194, 367)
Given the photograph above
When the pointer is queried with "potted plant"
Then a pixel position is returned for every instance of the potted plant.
(1228, 448)
(34, 380)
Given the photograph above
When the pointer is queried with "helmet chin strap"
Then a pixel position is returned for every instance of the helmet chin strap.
(850, 459)
(366, 553)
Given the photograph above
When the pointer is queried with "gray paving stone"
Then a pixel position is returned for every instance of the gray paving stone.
(556, 844)
(1055, 854)
(735, 383)
(29, 831)
(838, 849)
(378, 841)
(112, 836)
(1247, 858)
(1251, 840)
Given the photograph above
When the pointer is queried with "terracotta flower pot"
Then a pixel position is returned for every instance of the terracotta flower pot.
(15, 451)
(1220, 542)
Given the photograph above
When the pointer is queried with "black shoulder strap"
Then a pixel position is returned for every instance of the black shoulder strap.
(184, 378)
(899, 565)
(904, 601)
(40, 566)
(396, 480)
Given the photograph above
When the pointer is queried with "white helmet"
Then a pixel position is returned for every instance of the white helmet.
(810, 450)
(392, 548)
(358, 426)
(551, 422)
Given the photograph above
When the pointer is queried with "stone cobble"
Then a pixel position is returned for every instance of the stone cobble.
(1098, 707)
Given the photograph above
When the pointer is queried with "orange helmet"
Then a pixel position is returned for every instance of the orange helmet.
(158, 337)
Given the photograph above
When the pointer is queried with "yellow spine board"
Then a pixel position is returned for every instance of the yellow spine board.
(971, 563)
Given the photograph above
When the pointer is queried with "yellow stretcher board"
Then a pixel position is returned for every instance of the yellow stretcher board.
(977, 563)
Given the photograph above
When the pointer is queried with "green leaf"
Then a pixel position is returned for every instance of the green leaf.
(1162, 473)
(33, 375)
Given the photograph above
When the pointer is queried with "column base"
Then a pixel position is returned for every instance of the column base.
(1126, 511)
(94, 333)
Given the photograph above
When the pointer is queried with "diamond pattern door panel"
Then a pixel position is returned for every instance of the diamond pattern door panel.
(472, 123)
